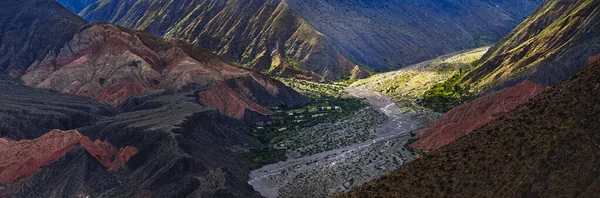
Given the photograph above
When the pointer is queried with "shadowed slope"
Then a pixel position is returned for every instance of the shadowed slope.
(547, 147)
(21, 40)
(329, 38)
(28, 113)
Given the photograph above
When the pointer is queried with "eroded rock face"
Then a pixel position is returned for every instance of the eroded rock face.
(112, 64)
(228, 102)
(463, 119)
(359, 73)
(23, 158)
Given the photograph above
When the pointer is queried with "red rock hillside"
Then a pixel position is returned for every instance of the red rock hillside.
(472, 115)
(593, 59)
(228, 102)
(112, 64)
(23, 158)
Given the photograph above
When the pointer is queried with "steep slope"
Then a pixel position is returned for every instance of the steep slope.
(329, 38)
(78, 5)
(186, 145)
(112, 64)
(175, 146)
(184, 148)
(21, 23)
(547, 147)
(76, 174)
(463, 119)
(24, 158)
(28, 113)
(552, 44)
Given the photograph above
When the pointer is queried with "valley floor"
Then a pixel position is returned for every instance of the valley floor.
(338, 170)
(374, 137)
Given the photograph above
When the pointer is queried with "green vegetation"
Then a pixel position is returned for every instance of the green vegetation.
(427, 89)
(295, 63)
(329, 103)
(444, 96)
(261, 157)
(288, 120)
(315, 90)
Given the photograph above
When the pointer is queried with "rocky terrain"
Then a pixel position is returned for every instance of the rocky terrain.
(334, 39)
(338, 169)
(546, 147)
(112, 64)
(19, 32)
(24, 158)
(164, 116)
(355, 128)
(409, 86)
(28, 113)
(463, 119)
(556, 41)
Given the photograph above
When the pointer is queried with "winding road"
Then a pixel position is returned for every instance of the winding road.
(269, 179)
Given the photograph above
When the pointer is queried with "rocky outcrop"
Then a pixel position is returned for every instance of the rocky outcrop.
(28, 33)
(546, 147)
(24, 158)
(76, 174)
(325, 37)
(463, 119)
(185, 149)
(228, 102)
(549, 46)
(359, 73)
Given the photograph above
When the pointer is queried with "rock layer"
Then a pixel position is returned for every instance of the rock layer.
(24, 158)
(112, 64)
(463, 119)
(228, 102)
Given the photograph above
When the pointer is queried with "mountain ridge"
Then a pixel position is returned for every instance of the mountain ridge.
(557, 40)
(281, 37)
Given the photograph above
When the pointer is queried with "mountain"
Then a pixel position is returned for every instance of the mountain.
(329, 38)
(112, 64)
(553, 43)
(546, 147)
(22, 21)
(122, 113)
(463, 119)
(77, 6)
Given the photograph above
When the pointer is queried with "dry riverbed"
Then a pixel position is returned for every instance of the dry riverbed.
(339, 169)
